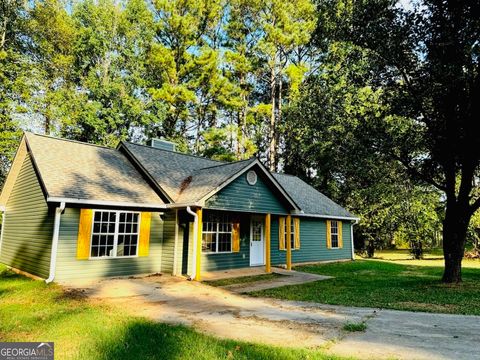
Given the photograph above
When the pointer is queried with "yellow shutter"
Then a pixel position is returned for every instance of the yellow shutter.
(236, 237)
(281, 233)
(329, 236)
(296, 226)
(340, 237)
(144, 235)
(84, 234)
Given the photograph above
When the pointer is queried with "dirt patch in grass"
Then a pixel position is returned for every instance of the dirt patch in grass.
(365, 272)
(72, 294)
(417, 273)
(429, 307)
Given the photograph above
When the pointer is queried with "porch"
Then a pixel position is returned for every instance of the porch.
(217, 243)
(233, 273)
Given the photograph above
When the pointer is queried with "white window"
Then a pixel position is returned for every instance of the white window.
(217, 235)
(114, 234)
(334, 233)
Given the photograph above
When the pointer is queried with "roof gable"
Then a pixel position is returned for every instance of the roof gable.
(239, 195)
(12, 176)
(187, 179)
(71, 171)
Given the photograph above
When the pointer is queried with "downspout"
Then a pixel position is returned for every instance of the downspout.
(195, 235)
(175, 245)
(56, 230)
(351, 237)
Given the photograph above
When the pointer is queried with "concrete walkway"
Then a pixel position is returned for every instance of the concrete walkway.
(287, 278)
(389, 335)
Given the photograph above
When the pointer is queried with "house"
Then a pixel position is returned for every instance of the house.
(79, 211)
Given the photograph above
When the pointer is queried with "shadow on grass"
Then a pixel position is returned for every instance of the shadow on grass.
(404, 259)
(143, 339)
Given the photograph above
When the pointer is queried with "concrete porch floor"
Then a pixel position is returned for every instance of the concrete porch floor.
(289, 277)
(234, 273)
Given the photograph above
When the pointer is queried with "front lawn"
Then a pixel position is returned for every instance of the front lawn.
(83, 329)
(398, 283)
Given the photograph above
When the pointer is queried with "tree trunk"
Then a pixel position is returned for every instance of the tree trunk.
(242, 121)
(455, 226)
(47, 124)
(279, 117)
(273, 133)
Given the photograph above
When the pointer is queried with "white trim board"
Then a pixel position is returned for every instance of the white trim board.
(105, 202)
(333, 217)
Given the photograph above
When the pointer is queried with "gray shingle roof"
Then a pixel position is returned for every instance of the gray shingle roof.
(168, 168)
(310, 200)
(205, 180)
(185, 178)
(75, 170)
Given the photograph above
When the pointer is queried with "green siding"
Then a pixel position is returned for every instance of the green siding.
(69, 268)
(27, 236)
(168, 246)
(240, 196)
(313, 243)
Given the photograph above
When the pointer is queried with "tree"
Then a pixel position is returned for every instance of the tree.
(284, 26)
(107, 99)
(53, 35)
(186, 34)
(426, 62)
(14, 78)
(242, 64)
(328, 130)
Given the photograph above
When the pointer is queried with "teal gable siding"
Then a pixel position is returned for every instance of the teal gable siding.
(241, 196)
(313, 243)
(28, 226)
(69, 268)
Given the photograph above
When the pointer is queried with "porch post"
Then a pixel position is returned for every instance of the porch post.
(268, 268)
(199, 244)
(289, 242)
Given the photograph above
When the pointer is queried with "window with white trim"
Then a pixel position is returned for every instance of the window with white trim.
(114, 234)
(334, 233)
(217, 234)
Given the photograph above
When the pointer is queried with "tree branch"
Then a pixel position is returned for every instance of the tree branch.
(415, 172)
(475, 206)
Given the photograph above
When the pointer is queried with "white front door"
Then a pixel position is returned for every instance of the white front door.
(257, 249)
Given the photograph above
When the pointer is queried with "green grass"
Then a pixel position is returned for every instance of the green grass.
(86, 329)
(355, 327)
(243, 279)
(393, 284)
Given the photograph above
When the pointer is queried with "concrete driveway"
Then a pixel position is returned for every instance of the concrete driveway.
(389, 335)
